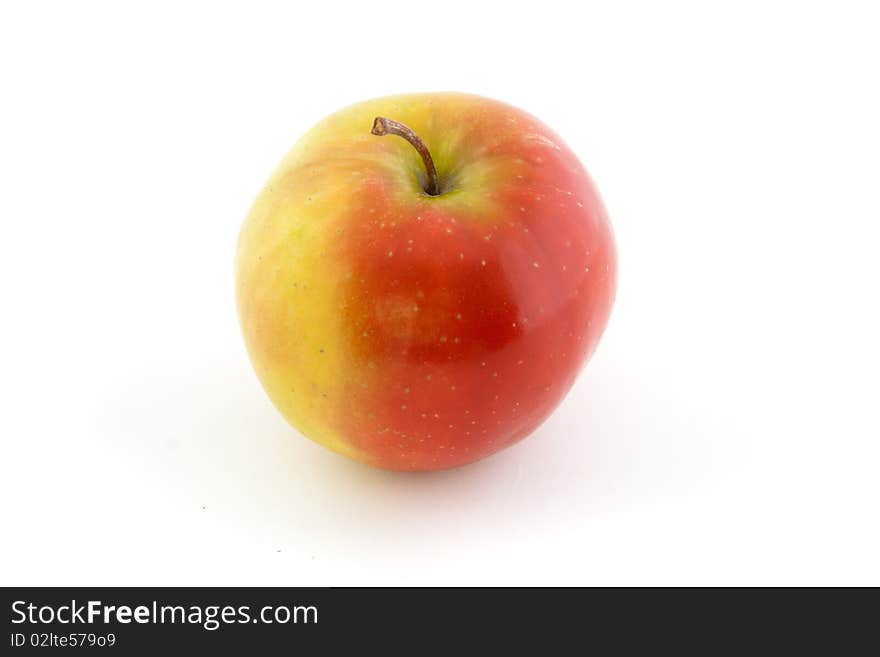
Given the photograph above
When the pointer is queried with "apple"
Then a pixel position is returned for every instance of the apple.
(422, 279)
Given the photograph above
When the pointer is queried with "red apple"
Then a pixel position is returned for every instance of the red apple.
(418, 303)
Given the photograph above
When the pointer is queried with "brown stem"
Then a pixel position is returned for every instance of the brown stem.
(383, 126)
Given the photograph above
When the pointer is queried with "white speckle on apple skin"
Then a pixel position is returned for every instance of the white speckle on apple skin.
(543, 140)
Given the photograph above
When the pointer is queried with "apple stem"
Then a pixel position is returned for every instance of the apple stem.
(383, 126)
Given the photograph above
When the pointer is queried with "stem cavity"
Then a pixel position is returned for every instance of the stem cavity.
(383, 126)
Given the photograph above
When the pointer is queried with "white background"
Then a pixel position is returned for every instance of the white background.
(726, 432)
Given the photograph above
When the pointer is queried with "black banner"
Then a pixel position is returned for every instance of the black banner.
(147, 620)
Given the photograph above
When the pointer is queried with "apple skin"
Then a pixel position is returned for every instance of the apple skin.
(417, 332)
